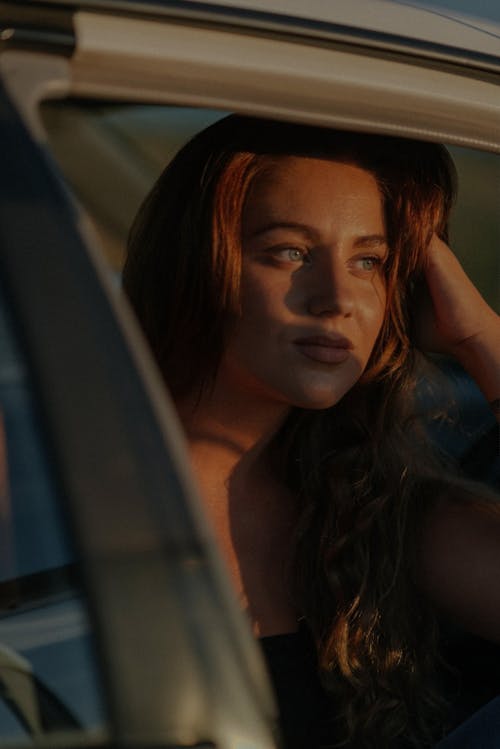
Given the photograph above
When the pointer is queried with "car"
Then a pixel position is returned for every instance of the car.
(118, 625)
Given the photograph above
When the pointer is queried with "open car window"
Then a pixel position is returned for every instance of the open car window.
(111, 154)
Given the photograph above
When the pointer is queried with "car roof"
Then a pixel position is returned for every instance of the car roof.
(442, 26)
(387, 18)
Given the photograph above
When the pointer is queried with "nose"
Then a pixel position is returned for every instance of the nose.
(331, 292)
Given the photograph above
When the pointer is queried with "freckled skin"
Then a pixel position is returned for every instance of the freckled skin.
(313, 251)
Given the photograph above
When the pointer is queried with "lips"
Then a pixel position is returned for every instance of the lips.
(330, 349)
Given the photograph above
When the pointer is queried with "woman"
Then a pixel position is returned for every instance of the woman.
(276, 270)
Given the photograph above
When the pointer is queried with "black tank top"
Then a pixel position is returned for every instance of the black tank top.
(306, 712)
(307, 716)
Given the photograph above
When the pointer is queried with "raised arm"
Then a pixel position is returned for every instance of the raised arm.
(460, 323)
(460, 554)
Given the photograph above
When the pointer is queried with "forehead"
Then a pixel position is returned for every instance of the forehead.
(300, 187)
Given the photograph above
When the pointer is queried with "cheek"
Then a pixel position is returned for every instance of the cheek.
(373, 308)
(261, 298)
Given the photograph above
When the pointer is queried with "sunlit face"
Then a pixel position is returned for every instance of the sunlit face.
(312, 284)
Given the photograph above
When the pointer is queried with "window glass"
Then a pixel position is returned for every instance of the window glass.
(112, 155)
(120, 150)
(33, 537)
(475, 227)
(48, 679)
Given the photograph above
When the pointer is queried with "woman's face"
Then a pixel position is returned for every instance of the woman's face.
(312, 284)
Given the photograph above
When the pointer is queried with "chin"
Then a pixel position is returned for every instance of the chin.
(318, 393)
(317, 401)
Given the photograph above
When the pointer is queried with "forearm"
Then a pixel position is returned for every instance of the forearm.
(461, 323)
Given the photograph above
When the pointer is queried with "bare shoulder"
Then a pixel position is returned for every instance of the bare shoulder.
(460, 562)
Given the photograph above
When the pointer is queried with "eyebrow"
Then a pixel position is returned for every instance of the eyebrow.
(303, 228)
(372, 240)
(368, 241)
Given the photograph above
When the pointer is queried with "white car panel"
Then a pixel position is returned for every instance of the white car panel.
(434, 25)
(257, 75)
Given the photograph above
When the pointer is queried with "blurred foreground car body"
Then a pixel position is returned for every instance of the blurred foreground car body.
(117, 624)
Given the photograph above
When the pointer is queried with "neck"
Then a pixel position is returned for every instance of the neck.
(228, 430)
(249, 510)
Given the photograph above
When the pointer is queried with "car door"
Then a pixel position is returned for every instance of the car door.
(118, 625)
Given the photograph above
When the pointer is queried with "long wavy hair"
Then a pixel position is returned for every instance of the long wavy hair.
(362, 485)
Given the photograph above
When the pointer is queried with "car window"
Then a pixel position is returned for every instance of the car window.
(48, 677)
(111, 154)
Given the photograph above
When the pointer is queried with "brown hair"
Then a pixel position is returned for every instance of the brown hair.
(362, 488)
(183, 264)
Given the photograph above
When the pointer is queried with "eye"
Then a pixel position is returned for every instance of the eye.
(292, 254)
(369, 263)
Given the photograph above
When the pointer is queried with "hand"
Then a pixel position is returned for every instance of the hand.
(454, 319)
(452, 316)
